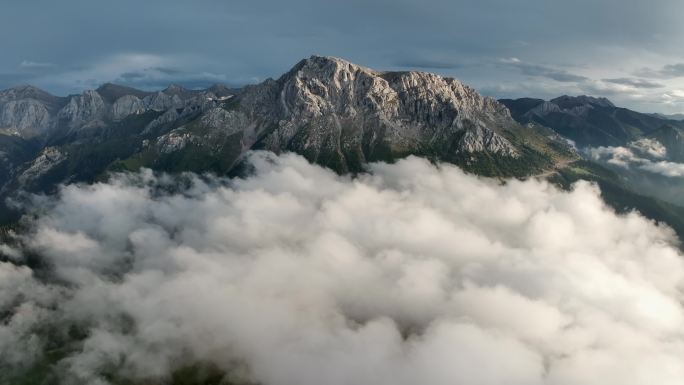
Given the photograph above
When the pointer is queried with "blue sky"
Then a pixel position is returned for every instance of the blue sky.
(627, 50)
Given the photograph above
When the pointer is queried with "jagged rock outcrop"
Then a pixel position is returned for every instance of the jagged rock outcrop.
(24, 117)
(230, 122)
(28, 111)
(29, 92)
(345, 115)
(177, 90)
(127, 105)
(46, 160)
(333, 112)
(161, 101)
(85, 108)
(480, 139)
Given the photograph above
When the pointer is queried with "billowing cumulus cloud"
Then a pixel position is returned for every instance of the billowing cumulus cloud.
(414, 273)
(644, 154)
(670, 169)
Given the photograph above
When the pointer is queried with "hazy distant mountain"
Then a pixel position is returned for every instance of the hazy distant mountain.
(672, 138)
(637, 159)
(586, 120)
(670, 116)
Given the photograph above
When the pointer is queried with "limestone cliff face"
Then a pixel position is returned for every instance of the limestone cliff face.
(85, 108)
(328, 107)
(343, 115)
(324, 106)
(27, 116)
(161, 101)
(335, 113)
(29, 112)
(127, 105)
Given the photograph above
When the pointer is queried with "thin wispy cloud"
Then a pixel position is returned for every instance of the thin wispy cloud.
(668, 71)
(536, 70)
(28, 64)
(635, 82)
(644, 154)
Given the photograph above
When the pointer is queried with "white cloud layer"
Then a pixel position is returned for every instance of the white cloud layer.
(414, 274)
(644, 154)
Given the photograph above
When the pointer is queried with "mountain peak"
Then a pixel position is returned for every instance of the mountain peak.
(111, 92)
(344, 115)
(27, 88)
(328, 60)
(322, 65)
(175, 89)
(567, 101)
(27, 92)
(219, 89)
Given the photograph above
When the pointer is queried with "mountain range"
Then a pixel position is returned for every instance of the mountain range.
(589, 121)
(333, 112)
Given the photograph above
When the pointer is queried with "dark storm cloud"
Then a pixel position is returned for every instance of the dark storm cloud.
(247, 41)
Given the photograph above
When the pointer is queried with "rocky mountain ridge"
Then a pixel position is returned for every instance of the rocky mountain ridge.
(335, 113)
(346, 105)
(29, 112)
(588, 121)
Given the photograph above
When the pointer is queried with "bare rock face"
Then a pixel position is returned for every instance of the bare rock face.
(24, 117)
(27, 111)
(328, 107)
(127, 105)
(481, 139)
(230, 122)
(173, 141)
(333, 112)
(83, 108)
(161, 101)
(46, 160)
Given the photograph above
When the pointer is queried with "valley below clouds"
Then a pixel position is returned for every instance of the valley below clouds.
(411, 273)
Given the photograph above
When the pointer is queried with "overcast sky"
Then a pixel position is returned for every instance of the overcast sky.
(627, 50)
